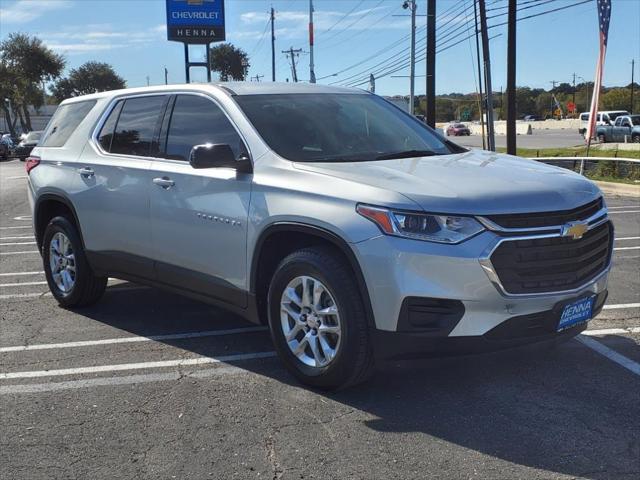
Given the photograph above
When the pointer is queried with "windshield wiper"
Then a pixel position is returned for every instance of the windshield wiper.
(406, 154)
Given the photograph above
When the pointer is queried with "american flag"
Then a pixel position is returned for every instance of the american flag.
(604, 17)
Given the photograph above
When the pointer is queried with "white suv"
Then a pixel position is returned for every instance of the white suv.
(350, 227)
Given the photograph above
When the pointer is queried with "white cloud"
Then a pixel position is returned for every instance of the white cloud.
(99, 38)
(24, 11)
(293, 24)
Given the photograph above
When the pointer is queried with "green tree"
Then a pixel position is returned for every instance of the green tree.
(616, 99)
(91, 77)
(230, 62)
(25, 62)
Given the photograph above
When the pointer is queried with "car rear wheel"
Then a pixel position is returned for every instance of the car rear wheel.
(602, 138)
(317, 320)
(635, 138)
(70, 278)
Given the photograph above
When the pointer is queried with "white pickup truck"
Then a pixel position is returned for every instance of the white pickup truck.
(625, 126)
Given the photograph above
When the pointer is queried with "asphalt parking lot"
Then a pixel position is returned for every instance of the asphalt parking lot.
(150, 385)
(538, 139)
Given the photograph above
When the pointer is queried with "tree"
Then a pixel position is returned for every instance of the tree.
(616, 99)
(229, 61)
(25, 62)
(91, 77)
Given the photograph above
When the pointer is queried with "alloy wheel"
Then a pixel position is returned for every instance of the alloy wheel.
(310, 321)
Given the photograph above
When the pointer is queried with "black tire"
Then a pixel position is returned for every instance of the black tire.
(88, 288)
(635, 138)
(602, 138)
(354, 359)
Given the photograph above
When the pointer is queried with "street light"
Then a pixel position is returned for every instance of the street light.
(587, 85)
(327, 76)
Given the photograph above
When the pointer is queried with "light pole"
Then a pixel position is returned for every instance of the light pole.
(411, 4)
(586, 84)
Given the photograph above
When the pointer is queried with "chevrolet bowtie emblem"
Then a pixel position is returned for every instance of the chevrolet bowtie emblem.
(575, 230)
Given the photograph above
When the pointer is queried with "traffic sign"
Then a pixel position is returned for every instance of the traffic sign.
(195, 21)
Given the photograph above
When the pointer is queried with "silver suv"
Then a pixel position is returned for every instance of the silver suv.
(351, 228)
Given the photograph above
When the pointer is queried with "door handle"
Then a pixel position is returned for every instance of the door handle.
(86, 172)
(164, 182)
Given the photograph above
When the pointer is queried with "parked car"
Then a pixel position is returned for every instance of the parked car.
(625, 128)
(603, 118)
(23, 149)
(457, 129)
(348, 226)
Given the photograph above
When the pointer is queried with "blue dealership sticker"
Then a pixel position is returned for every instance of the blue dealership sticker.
(576, 312)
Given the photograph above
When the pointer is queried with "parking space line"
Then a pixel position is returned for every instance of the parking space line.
(16, 227)
(621, 305)
(12, 274)
(626, 248)
(622, 206)
(21, 284)
(136, 339)
(10, 296)
(611, 331)
(20, 253)
(22, 218)
(182, 362)
(17, 243)
(28, 237)
(611, 354)
(624, 211)
(627, 238)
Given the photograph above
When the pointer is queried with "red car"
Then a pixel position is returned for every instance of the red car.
(456, 129)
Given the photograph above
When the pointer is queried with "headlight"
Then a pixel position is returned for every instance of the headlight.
(422, 226)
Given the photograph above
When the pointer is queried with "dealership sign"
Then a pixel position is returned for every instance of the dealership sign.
(195, 21)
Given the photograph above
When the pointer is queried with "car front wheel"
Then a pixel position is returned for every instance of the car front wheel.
(317, 320)
(70, 278)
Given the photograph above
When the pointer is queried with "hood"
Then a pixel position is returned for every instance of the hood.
(476, 182)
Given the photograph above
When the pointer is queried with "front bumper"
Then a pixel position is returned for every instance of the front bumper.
(514, 332)
(396, 268)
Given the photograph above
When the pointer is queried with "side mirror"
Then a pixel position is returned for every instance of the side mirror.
(218, 156)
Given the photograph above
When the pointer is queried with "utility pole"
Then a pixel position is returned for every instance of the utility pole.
(312, 73)
(257, 78)
(411, 4)
(480, 95)
(511, 77)
(574, 88)
(147, 80)
(553, 90)
(431, 64)
(166, 76)
(292, 55)
(491, 139)
(633, 65)
(273, 46)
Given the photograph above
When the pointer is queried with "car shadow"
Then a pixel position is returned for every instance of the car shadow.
(552, 409)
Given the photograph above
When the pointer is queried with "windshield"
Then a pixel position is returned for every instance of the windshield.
(339, 128)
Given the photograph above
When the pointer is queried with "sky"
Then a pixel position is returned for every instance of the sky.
(351, 38)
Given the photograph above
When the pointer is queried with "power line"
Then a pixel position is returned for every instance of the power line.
(342, 18)
(396, 67)
(388, 47)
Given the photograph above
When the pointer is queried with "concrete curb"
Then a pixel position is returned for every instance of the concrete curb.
(622, 189)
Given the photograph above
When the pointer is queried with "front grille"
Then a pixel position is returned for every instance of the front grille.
(547, 219)
(552, 264)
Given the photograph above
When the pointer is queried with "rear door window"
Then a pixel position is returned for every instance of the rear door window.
(105, 137)
(65, 121)
(135, 132)
(195, 121)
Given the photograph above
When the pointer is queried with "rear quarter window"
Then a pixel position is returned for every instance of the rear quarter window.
(65, 121)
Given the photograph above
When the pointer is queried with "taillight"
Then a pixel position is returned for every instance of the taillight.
(31, 163)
